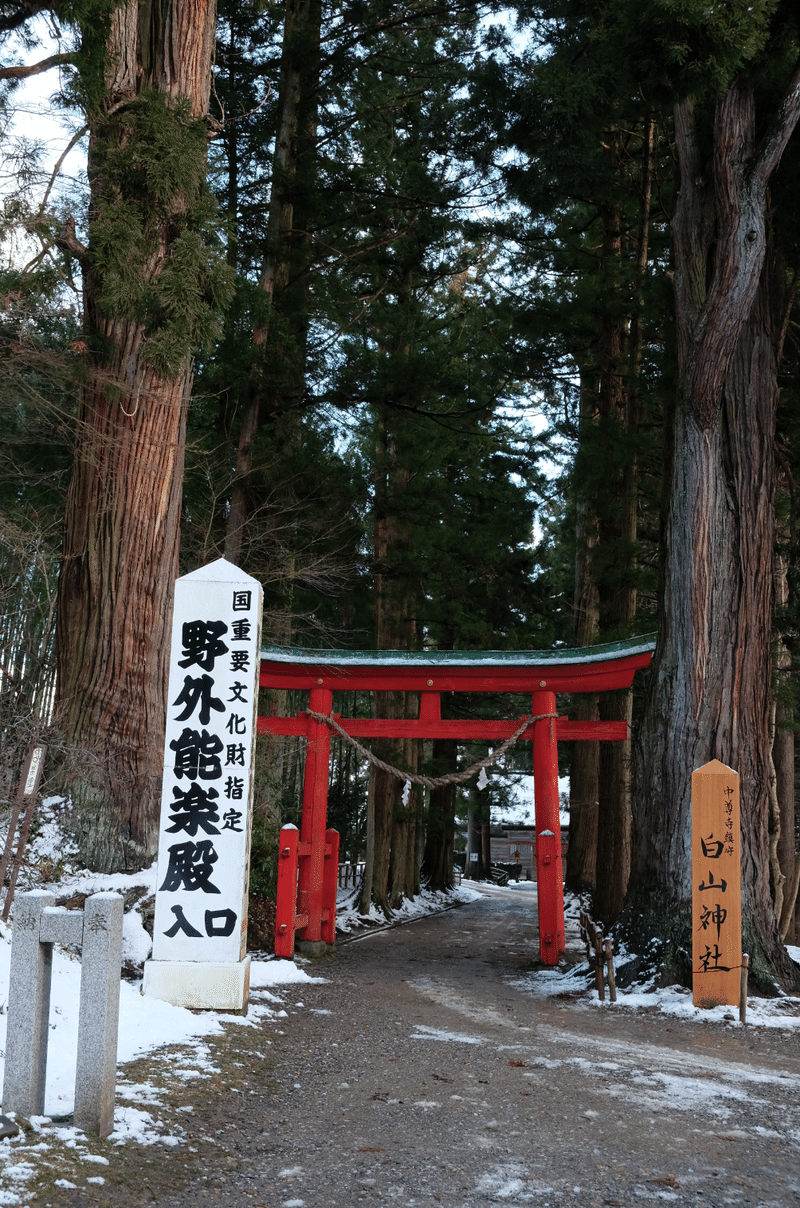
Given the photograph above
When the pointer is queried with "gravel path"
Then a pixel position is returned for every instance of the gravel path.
(419, 1074)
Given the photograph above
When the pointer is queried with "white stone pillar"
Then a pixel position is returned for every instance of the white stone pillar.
(200, 930)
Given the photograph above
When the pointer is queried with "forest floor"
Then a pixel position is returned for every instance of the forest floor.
(425, 1070)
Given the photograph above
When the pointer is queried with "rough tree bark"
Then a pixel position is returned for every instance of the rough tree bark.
(394, 867)
(147, 167)
(616, 592)
(709, 689)
(584, 765)
(437, 860)
(284, 277)
(786, 861)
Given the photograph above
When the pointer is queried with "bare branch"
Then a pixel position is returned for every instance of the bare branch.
(240, 117)
(75, 139)
(68, 241)
(22, 73)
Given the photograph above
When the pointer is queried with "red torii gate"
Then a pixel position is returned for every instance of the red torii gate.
(307, 899)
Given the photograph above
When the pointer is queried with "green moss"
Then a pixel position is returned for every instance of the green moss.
(153, 240)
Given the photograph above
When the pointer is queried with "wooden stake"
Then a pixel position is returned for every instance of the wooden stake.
(22, 816)
(598, 966)
(743, 998)
(612, 985)
(583, 922)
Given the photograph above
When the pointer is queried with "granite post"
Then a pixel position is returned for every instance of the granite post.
(98, 930)
(28, 1008)
(98, 1022)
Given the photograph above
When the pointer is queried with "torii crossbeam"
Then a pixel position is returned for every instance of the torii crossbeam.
(311, 914)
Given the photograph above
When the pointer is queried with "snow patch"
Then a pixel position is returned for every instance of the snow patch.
(350, 920)
(422, 1032)
(266, 972)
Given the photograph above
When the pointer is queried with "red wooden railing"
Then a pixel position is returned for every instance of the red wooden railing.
(289, 920)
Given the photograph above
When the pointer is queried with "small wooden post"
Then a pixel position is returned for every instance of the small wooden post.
(599, 961)
(22, 816)
(612, 985)
(743, 999)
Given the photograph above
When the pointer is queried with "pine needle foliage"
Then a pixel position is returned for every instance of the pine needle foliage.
(151, 158)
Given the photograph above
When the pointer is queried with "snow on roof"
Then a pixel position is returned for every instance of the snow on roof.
(560, 656)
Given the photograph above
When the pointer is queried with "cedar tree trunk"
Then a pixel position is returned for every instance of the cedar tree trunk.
(147, 295)
(584, 764)
(394, 868)
(284, 276)
(709, 688)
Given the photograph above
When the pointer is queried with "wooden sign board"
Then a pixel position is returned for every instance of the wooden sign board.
(716, 886)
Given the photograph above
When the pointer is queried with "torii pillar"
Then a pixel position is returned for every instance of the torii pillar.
(307, 902)
(549, 875)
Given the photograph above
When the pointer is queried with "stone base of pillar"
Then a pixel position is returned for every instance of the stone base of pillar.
(313, 947)
(199, 984)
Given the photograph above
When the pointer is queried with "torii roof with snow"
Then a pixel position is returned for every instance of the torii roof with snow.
(586, 669)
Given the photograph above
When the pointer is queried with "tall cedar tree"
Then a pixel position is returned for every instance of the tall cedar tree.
(277, 377)
(784, 838)
(407, 355)
(153, 286)
(582, 178)
(321, 200)
(36, 330)
(736, 82)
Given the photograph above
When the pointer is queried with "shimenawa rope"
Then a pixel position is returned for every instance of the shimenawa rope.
(431, 782)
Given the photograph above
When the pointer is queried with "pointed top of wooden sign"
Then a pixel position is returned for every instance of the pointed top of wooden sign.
(715, 767)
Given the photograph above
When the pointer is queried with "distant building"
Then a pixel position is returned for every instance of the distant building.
(519, 847)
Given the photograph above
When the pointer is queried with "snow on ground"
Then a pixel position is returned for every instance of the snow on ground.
(180, 1036)
(145, 1024)
(349, 920)
(577, 983)
(675, 1001)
